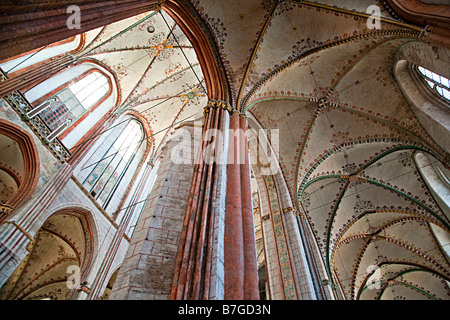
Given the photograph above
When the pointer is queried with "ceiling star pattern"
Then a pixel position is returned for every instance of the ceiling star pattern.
(348, 136)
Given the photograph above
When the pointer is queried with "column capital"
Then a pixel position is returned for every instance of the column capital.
(223, 105)
(218, 104)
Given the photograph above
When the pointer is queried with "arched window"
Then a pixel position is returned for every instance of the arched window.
(69, 104)
(27, 59)
(436, 82)
(423, 79)
(112, 159)
(437, 178)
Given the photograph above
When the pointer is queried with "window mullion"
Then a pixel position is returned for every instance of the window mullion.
(106, 152)
(91, 93)
(120, 161)
(122, 174)
(109, 163)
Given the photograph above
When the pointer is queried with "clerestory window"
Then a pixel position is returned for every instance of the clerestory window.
(438, 83)
(65, 107)
(107, 171)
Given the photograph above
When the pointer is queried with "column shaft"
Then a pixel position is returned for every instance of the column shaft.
(251, 289)
(234, 235)
(192, 276)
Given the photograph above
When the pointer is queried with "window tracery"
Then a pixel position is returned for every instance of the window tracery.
(105, 175)
(439, 84)
(69, 104)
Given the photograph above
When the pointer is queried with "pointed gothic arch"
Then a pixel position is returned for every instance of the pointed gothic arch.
(29, 165)
(59, 260)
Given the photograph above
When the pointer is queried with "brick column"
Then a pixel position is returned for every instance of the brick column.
(251, 288)
(199, 262)
(196, 243)
(234, 236)
(241, 271)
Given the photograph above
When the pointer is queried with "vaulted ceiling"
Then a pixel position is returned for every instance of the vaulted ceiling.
(320, 75)
(11, 167)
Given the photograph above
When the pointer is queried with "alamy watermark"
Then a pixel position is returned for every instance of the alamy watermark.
(74, 20)
(374, 21)
(73, 281)
(227, 147)
(375, 277)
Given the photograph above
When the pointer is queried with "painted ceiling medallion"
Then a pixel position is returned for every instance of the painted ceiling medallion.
(353, 179)
(161, 46)
(191, 95)
(323, 103)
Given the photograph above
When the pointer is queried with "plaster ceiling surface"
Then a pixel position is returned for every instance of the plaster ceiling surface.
(316, 72)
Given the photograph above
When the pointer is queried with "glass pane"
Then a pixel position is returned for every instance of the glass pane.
(80, 85)
(94, 96)
(422, 70)
(109, 186)
(97, 172)
(446, 94)
(115, 161)
(71, 103)
(428, 74)
(90, 89)
(64, 107)
(436, 81)
(436, 77)
(445, 82)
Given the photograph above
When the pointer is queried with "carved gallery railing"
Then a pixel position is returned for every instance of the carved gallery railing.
(24, 109)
